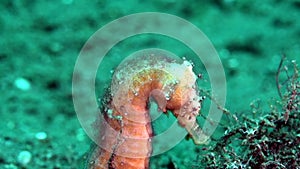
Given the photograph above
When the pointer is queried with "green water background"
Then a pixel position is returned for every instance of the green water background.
(40, 41)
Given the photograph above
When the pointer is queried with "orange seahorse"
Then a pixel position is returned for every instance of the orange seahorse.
(127, 137)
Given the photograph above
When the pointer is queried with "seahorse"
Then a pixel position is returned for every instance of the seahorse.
(171, 83)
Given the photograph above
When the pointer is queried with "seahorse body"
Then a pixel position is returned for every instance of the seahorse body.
(171, 83)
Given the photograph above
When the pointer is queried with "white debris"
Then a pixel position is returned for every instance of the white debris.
(41, 136)
(22, 84)
(24, 157)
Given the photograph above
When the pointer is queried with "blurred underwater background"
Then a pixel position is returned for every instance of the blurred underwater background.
(41, 40)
